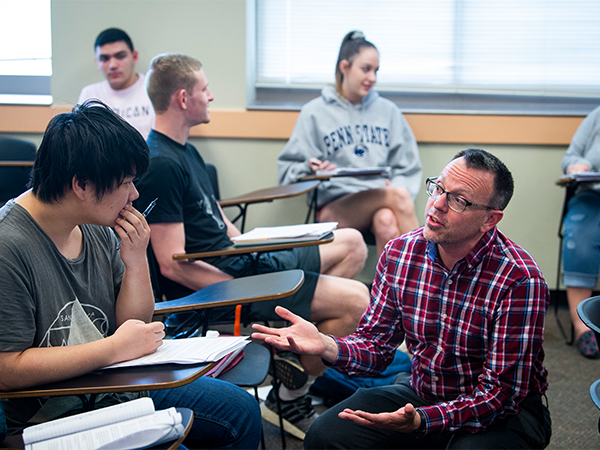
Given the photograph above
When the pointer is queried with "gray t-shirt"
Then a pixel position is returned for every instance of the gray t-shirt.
(47, 300)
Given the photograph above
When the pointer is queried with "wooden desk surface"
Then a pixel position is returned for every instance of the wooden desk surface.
(268, 286)
(367, 173)
(251, 249)
(572, 178)
(317, 177)
(273, 193)
(16, 163)
(127, 379)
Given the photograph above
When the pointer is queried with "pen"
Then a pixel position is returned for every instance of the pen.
(150, 207)
(147, 211)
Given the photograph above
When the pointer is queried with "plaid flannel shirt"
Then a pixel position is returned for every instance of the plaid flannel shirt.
(475, 331)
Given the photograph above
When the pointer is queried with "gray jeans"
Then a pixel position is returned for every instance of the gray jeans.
(531, 428)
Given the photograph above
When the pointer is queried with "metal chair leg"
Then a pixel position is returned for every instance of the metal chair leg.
(276, 384)
(571, 340)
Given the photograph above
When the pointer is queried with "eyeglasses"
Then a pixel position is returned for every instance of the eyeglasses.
(455, 202)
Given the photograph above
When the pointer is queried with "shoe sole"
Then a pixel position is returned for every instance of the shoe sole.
(292, 375)
(273, 418)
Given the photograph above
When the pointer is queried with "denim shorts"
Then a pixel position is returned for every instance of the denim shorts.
(581, 241)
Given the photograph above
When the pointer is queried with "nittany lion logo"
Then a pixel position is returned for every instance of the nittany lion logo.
(361, 150)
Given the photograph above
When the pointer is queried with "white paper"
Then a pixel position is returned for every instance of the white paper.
(287, 232)
(86, 421)
(357, 172)
(189, 351)
(136, 433)
(584, 176)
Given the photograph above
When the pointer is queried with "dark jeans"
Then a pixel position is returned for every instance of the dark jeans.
(531, 428)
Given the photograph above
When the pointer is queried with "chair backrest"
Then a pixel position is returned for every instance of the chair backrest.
(595, 393)
(2, 424)
(14, 180)
(589, 312)
(214, 179)
(163, 287)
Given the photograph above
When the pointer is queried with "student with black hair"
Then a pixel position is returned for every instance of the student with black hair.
(71, 302)
(123, 89)
(352, 126)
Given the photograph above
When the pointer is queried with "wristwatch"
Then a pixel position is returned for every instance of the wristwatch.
(420, 432)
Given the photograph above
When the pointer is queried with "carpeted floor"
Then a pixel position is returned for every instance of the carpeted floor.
(574, 415)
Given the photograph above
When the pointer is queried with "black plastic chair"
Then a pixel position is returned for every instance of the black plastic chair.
(14, 178)
(595, 394)
(253, 368)
(589, 313)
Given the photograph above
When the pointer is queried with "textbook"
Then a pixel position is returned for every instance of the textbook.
(189, 351)
(384, 172)
(129, 425)
(285, 234)
(227, 363)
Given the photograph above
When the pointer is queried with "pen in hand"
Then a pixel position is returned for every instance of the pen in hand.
(147, 211)
(150, 207)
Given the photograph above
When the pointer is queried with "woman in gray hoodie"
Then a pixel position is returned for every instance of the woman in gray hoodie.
(352, 126)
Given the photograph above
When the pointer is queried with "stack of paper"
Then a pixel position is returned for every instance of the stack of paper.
(189, 351)
(582, 177)
(285, 234)
(129, 425)
(384, 172)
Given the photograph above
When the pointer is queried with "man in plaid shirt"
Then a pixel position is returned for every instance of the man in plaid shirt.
(470, 305)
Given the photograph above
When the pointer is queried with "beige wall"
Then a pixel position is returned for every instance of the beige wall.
(214, 32)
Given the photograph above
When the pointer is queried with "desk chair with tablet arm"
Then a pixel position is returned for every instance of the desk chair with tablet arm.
(168, 376)
(16, 159)
(253, 368)
(130, 379)
(255, 251)
(570, 182)
(368, 236)
(589, 313)
(242, 202)
(159, 281)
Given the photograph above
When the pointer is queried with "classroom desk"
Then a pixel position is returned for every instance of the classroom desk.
(267, 195)
(229, 251)
(312, 207)
(16, 163)
(268, 286)
(126, 379)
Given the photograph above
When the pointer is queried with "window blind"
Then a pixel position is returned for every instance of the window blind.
(504, 47)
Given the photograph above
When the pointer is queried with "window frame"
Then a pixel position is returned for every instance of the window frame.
(32, 85)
